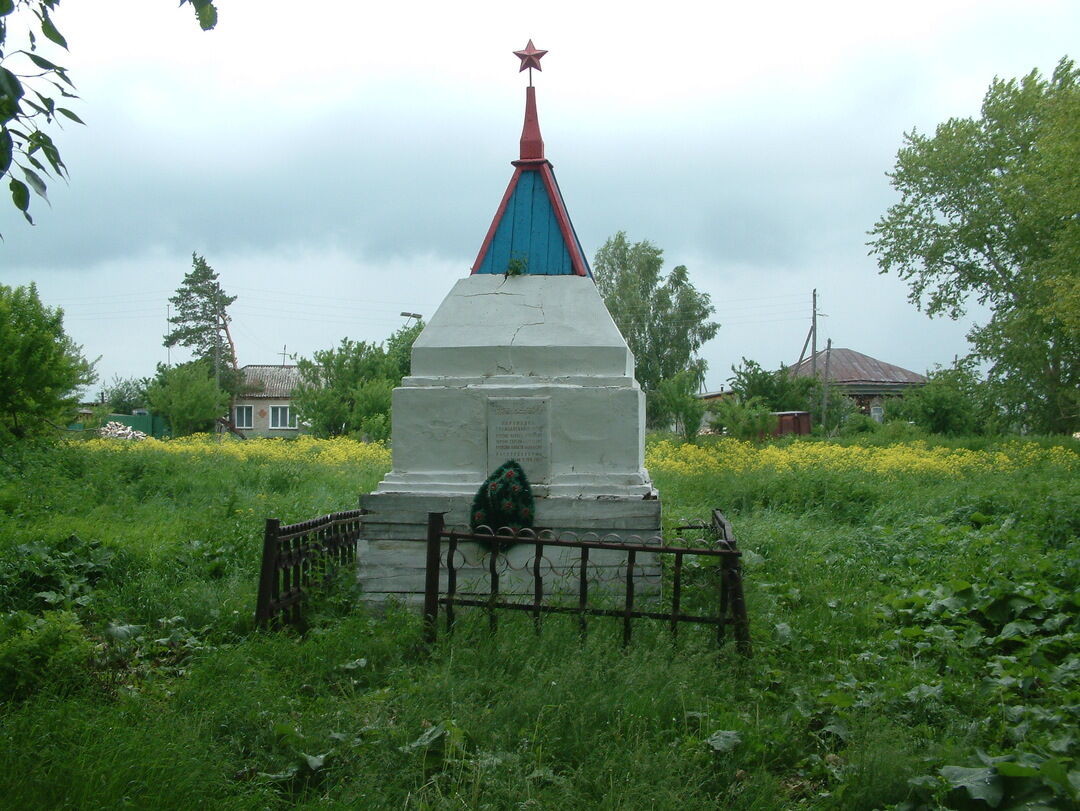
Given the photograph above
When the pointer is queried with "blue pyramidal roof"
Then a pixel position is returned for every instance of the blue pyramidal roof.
(532, 233)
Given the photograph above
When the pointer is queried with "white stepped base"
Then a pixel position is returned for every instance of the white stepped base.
(569, 486)
(392, 551)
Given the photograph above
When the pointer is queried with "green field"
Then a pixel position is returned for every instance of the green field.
(915, 611)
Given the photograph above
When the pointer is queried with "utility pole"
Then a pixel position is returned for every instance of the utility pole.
(168, 321)
(232, 343)
(825, 383)
(217, 357)
(813, 336)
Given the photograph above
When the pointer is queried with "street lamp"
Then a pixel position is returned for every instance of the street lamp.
(407, 316)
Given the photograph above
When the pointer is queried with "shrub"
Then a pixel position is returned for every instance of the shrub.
(61, 575)
(859, 424)
(42, 368)
(750, 420)
(51, 650)
(188, 396)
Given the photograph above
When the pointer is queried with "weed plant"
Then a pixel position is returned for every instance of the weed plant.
(914, 611)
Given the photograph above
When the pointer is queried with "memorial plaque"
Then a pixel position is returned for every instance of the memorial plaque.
(519, 428)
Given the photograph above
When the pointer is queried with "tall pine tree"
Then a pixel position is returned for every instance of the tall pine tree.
(201, 322)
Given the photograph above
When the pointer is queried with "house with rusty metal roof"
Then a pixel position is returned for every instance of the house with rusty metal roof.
(866, 380)
(264, 408)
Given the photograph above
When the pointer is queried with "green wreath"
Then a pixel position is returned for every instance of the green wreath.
(503, 500)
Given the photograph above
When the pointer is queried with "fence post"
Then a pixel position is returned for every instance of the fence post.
(538, 584)
(732, 599)
(583, 591)
(676, 594)
(431, 577)
(451, 582)
(493, 589)
(732, 573)
(268, 574)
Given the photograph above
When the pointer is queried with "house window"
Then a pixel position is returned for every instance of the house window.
(282, 417)
(242, 416)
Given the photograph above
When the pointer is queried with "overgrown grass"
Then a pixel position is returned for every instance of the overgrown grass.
(915, 635)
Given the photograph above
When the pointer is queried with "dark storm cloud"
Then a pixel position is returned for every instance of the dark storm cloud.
(386, 177)
(383, 179)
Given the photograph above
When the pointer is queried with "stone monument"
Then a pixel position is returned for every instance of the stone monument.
(521, 361)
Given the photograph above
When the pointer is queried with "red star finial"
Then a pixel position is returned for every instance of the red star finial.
(530, 57)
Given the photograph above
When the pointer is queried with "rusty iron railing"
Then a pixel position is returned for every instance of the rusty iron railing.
(299, 557)
(729, 601)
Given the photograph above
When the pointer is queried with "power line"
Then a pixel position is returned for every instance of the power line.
(292, 295)
(767, 298)
(752, 322)
(129, 295)
(112, 317)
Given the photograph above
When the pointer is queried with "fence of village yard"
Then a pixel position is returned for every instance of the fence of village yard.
(443, 556)
(299, 557)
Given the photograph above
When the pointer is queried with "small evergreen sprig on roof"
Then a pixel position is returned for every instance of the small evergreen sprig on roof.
(503, 500)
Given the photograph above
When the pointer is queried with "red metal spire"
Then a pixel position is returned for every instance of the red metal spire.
(532, 143)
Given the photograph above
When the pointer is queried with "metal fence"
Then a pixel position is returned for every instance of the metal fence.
(730, 607)
(299, 557)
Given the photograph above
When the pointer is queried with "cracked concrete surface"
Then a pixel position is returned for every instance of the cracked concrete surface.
(522, 337)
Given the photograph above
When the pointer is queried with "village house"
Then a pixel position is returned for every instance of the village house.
(868, 381)
(264, 407)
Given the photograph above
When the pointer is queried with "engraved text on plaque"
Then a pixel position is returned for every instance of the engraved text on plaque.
(519, 428)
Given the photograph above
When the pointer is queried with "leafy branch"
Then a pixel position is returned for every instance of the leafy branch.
(32, 90)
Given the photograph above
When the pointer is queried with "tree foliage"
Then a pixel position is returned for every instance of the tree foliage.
(124, 394)
(778, 390)
(664, 320)
(675, 401)
(954, 402)
(348, 390)
(756, 387)
(988, 211)
(751, 420)
(41, 368)
(399, 351)
(326, 398)
(1049, 192)
(33, 90)
(201, 322)
(187, 396)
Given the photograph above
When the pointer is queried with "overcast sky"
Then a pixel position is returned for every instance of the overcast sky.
(340, 162)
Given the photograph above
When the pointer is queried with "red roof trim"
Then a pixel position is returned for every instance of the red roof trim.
(498, 217)
(576, 260)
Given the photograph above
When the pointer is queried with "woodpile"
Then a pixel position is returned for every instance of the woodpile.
(117, 430)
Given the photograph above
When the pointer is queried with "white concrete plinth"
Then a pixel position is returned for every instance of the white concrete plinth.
(498, 341)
